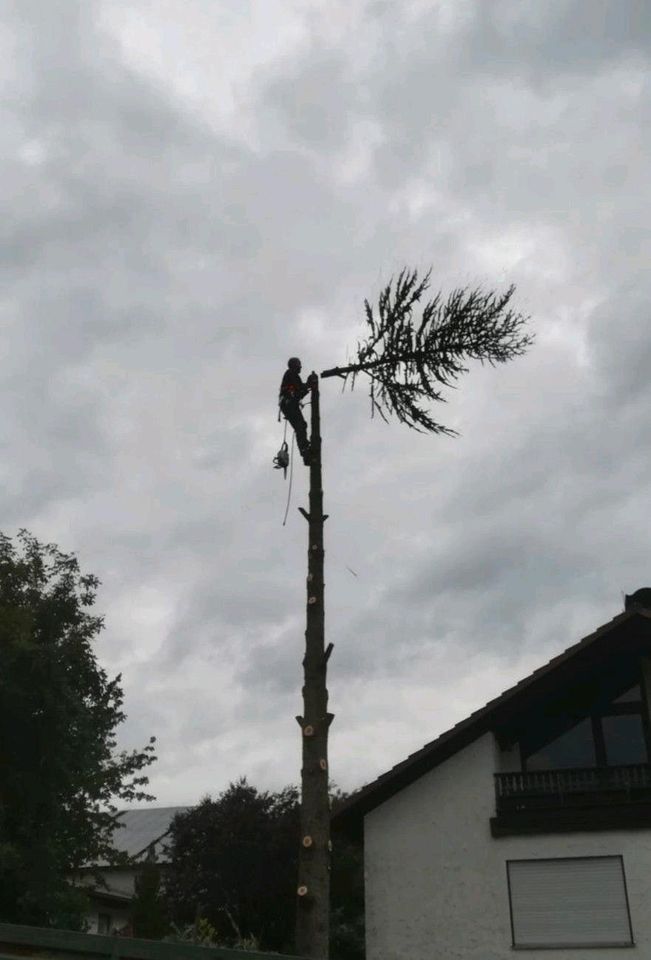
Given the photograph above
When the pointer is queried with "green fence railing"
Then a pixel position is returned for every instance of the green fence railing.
(21, 941)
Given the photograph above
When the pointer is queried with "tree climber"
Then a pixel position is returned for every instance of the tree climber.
(292, 391)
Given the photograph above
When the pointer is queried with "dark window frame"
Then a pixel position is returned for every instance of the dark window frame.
(570, 946)
(638, 707)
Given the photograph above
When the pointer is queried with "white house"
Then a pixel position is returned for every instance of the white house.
(526, 826)
(141, 835)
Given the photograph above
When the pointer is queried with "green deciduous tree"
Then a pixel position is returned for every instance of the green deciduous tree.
(233, 863)
(60, 772)
(234, 866)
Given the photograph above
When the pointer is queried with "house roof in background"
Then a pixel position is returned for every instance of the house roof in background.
(143, 828)
(626, 630)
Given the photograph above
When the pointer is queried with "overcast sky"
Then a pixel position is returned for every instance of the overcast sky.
(195, 190)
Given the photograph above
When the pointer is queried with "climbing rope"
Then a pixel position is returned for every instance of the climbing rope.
(283, 459)
(291, 475)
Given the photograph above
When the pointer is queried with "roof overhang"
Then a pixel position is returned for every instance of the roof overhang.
(108, 897)
(626, 636)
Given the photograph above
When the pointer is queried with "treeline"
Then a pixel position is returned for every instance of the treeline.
(232, 874)
(233, 870)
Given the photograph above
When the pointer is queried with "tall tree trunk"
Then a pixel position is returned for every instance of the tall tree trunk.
(313, 907)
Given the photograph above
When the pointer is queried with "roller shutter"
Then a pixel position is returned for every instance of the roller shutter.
(573, 902)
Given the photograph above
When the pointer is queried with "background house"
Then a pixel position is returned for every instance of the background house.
(141, 835)
(526, 825)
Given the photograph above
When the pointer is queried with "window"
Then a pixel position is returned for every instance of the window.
(574, 748)
(624, 739)
(569, 902)
(103, 922)
(634, 695)
(613, 733)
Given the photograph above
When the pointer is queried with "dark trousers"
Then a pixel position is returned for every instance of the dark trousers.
(292, 410)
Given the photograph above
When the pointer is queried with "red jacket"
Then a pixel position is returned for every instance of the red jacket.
(292, 387)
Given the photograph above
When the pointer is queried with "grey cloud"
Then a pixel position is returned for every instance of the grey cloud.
(621, 351)
(544, 42)
(158, 274)
(316, 105)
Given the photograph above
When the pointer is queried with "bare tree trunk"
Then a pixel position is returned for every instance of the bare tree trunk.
(313, 907)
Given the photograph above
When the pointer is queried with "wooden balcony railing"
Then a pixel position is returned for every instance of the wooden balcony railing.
(581, 786)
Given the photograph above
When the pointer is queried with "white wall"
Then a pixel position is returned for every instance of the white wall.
(508, 761)
(119, 917)
(117, 880)
(120, 881)
(436, 879)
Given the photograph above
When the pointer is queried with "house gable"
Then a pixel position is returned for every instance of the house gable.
(140, 834)
(597, 718)
(139, 831)
(612, 651)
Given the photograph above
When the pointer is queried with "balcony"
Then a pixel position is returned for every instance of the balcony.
(592, 798)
